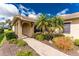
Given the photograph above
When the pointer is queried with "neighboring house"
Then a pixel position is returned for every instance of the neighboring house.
(25, 25)
(71, 24)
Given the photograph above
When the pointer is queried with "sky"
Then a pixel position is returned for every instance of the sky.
(7, 11)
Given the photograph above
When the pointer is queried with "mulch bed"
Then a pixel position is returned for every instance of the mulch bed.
(11, 49)
(74, 52)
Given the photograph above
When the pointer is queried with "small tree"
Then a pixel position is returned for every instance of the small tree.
(42, 23)
(55, 23)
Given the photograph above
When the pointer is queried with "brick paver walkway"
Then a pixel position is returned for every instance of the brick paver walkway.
(43, 49)
(8, 50)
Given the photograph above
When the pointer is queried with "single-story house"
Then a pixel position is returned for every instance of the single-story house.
(71, 24)
(25, 25)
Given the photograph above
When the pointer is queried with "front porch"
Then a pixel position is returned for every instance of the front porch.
(23, 27)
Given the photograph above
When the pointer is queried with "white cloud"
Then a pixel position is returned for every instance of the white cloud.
(63, 12)
(32, 16)
(8, 10)
(49, 14)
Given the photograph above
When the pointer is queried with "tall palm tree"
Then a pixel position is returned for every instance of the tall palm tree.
(42, 23)
(58, 23)
(49, 24)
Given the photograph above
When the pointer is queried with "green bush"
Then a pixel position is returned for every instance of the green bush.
(1, 30)
(48, 37)
(13, 41)
(24, 53)
(76, 42)
(21, 43)
(1, 37)
(11, 35)
(40, 37)
(18, 42)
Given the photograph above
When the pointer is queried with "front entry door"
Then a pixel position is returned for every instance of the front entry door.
(26, 29)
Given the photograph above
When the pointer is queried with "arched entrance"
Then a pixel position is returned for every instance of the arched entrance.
(26, 29)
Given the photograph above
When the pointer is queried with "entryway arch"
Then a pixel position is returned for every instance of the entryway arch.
(26, 29)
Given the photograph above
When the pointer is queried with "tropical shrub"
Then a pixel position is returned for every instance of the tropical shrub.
(1, 30)
(41, 23)
(24, 53)
(40, 37)
(11, 35)
(21, 43)
(48, 37)
(13, 41)
(76, 42)
(63, 42)
(18, 42)
(1, 37)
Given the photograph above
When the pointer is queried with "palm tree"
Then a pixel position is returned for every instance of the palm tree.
(42, 23)
(49, 25)
(58, 23)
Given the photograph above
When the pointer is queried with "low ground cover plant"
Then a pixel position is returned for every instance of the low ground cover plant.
(21, 43)
(40, 37)
(18, 42)
(76, 42)
(24, 53)
(13, 41)
(64, 43)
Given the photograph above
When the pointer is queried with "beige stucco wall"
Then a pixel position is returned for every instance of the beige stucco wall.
(74, 28)
(18, 28)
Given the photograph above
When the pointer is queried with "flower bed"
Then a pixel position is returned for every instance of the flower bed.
(71, 52)
(11, 49)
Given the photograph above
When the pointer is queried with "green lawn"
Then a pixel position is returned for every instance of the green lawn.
(6, 31)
